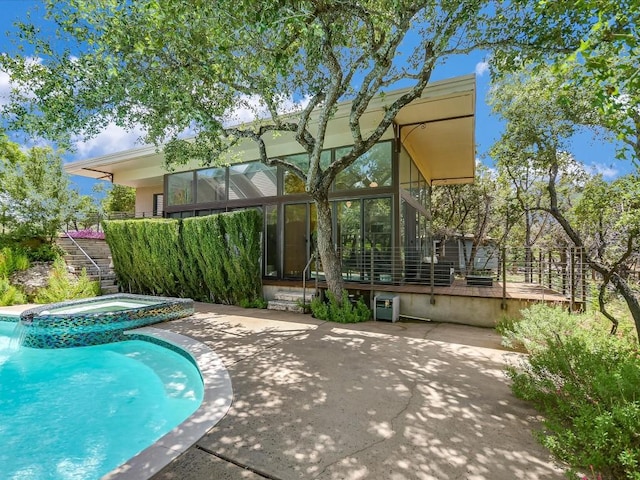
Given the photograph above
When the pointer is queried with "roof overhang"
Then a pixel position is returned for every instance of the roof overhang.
(437, 130)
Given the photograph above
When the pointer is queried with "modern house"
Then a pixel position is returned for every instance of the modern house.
(381, 202)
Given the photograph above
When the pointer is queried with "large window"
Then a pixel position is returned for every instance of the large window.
(211, 185)
(349, 233)
(291, 182)
(371, 170)
(252, 180)
(378, 237)
(180, 189)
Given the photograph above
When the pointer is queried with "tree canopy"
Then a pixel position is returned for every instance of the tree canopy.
(543, 112)
(36, 197)
(175, 67)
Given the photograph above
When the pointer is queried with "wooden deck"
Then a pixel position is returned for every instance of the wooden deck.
(514, 290)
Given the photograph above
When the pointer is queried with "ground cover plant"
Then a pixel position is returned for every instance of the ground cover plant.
(585, 382)
(341, 312)
(62, 286)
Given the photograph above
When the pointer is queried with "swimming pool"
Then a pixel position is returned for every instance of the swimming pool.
(78, 413)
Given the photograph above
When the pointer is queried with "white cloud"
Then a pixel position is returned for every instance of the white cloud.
(482, 68)
(251, 107)
(112, 139)
(5, 88)
(607, 171)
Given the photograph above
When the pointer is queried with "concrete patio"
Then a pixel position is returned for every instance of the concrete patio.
(319, 400)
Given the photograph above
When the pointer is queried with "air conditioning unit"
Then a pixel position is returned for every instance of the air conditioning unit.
(386, 307)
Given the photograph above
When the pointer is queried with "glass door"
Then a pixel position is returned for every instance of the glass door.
(296, 240)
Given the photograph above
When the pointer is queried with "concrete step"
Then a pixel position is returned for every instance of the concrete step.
(106, 290)
(285, 306)
(286, 296)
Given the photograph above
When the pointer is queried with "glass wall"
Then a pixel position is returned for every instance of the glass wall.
(378, 239)
(349, 235)
(371, 170)
(415, 219)
(211, 185)
(363, 202)
(180, 189)
(291, 182)
(252, 180)
(295, 239)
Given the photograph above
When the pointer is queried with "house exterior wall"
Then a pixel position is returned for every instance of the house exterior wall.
(144, 200)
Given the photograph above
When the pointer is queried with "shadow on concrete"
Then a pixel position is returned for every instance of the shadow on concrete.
(328, 401)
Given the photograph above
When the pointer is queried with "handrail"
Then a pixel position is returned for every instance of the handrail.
(304, 279)
(86, 255)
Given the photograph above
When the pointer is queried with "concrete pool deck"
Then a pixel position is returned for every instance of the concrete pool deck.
(378, 400)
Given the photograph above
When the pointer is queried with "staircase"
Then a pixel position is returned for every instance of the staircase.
(99, 252)
(289, 301)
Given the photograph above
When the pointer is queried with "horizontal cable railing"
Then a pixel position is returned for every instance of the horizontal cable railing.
(546, 273)
(561, 270)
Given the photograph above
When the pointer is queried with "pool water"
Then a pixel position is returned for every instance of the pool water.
(99, 307)
(77, 413)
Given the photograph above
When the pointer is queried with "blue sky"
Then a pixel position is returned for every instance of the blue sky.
(597, 155)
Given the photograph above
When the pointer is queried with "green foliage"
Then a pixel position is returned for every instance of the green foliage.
(12, 260)
(147, 256)
(585, 382)
(120, 198)
(258, 303)
(45, 252)
(242, 263)
(63, 286)
(10, 295)
(212, 258)
(36, 249)
(167, 66)
(343, 312)
(204, 244)
(37, 198)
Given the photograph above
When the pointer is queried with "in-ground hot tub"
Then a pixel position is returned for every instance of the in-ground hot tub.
(97, 320)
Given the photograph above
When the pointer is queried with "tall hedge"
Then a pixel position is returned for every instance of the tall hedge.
(204, 244)
(213, 258)
(242, 264)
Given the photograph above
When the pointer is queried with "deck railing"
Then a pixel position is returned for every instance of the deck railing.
(558, 272)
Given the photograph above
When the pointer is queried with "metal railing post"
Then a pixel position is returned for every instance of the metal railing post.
(304, 280)
(432, 275)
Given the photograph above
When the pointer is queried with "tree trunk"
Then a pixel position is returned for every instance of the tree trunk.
(331, 264)
(622, 287)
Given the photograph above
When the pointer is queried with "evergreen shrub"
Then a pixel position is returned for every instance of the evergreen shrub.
(10, 295)
(585, 382)
(12, 260)
(212, 258)
(63, 287)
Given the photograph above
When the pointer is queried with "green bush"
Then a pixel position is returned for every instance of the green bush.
(63, 287)
(344, 312)
(12, 260)
(258, 303)
(213, 258)
(46, 252)
(585, 382)
(35, 248)
(10, 295)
